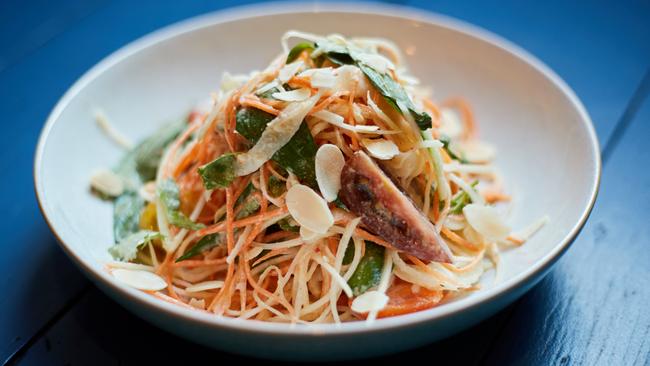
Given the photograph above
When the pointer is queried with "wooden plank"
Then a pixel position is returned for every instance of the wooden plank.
(593, 308)
(100, 332)
(38, 81)
(26, 26)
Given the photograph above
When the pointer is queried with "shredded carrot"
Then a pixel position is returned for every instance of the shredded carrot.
(457, 239)
(252, 101)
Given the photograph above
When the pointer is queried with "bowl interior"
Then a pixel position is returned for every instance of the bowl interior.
(546, 148)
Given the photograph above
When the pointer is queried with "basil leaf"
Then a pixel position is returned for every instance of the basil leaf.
(127, 248)
(168, 195)
(460, 200)
(297, 50)
(205, 243)
(148, 153)
(220, 172)
(394, 93)
(297, 156)
(368, 273)
(126, 215)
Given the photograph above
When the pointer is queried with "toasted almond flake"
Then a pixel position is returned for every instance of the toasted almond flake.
(288, 71)
(350, 77)
(329, 164)
(107, 182)
(337, 120)
(308, 236)
(323, 78)
(129, 265)
(311, 72)
(378, 62)
(486, 221)
(199, 304)
(369, 301)
(148, 191)
(381, 149)
(142, 280)
(450, 124)
(476, 151)
(267, 87)
(204, 286)
(309, 209)
(297, 95)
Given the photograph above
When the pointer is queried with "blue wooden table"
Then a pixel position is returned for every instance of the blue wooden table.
(593, 308)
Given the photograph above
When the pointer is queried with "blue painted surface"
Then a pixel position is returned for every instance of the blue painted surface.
(601, 49)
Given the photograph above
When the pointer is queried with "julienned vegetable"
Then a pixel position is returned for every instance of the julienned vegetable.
(317, 190)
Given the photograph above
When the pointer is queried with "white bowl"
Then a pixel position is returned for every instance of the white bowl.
(547, 146)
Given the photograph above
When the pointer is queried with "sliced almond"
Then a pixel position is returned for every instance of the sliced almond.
(288, 71)
(323, 78)
(329, 163)
(307, 235)
(369, 301)
(107, 182)
(381, 149)
(142, 280)
(297, 95)
(338, 120)
(309, 209)
(476, 151)
(204, 286)
(486, 221)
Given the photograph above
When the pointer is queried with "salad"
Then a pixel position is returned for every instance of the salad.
(329, 187)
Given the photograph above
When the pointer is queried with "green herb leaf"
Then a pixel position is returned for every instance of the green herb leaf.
(127, 248)
(460, 200)
(205, 243)
(141, 163)
(126, 215)
(395, 94)
(297, 50)
(220, 172)
(168, 195)
(368, 273)
(297, 156)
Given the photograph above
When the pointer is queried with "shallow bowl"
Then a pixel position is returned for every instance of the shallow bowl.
(547, 151)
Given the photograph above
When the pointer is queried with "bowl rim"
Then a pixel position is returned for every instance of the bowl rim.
(245, 12)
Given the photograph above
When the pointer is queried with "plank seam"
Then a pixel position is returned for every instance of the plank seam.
(15, 357)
